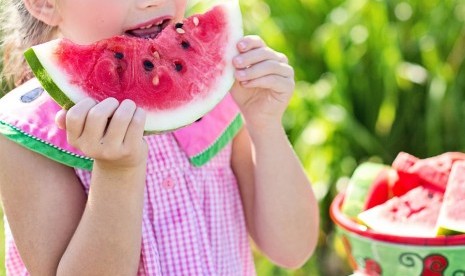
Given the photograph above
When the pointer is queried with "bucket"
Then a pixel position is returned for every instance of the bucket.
(372, 253)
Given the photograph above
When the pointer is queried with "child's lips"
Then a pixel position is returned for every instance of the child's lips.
(149, 29)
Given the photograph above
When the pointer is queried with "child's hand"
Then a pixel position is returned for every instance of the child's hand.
(264, 82)
(109, 132)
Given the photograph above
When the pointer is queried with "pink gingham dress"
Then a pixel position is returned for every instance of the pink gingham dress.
(193, 221)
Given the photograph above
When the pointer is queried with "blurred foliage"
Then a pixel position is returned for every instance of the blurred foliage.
(373, 78)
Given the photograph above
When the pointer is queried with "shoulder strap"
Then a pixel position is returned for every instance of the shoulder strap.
(27, 117)
(202, 140)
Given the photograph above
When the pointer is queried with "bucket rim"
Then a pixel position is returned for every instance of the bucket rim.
(351, 226)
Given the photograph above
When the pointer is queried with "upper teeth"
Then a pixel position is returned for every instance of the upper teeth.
(146, 27)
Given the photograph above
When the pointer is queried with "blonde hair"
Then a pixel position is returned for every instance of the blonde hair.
(19, 31)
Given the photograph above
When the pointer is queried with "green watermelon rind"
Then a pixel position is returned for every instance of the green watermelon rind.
(42, 147)
(46, 80)
(447, 226)
(359, 185)
(447, 232)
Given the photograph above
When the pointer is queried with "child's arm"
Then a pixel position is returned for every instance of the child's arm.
(56, 231)
(280, 207)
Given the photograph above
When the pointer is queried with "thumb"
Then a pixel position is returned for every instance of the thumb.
(60, 119)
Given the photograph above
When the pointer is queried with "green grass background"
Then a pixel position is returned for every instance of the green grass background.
(374, 77)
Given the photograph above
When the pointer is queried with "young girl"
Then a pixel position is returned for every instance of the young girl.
(143, 208)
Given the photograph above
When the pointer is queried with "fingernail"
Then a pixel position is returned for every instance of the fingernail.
(239, 61)
(242, 45)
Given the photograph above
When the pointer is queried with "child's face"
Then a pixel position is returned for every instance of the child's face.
(87, 21)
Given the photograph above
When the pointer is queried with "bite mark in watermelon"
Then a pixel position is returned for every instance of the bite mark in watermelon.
(452, 216)
(414, 214)
(177, 77)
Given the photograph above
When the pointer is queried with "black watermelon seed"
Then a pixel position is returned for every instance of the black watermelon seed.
(185, 45)
(178, 66)
(148, 65)
(119, 55)
(178, 25)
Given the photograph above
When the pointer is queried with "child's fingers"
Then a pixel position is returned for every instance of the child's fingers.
(119, 122)
(276, 83)
(135, 129)
(268, 67)
(76, 119)
(60, 119)
(250, 42)
(97, 119)
(257, 55)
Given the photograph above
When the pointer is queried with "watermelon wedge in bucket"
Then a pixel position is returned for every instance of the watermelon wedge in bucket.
(452, 216)
(415, 212)
(176, 74)
(418, 230)
(396, 254)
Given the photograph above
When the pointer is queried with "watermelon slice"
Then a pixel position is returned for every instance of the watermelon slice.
(452, 216)
(431, 172)
(407, 180)
(361, 187)
(381, 189)
(177, 77)
(412, 215)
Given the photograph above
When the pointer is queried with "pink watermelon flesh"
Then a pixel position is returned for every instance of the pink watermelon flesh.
(431, 172)
(154, 73)
(177, 77)
(406, 179)
(452, 215)
(380, 189)
(412, 215)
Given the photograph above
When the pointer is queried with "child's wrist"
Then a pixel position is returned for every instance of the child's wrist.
(116, 170)
(265, 131)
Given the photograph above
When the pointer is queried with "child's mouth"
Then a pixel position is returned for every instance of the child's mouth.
(149, 30)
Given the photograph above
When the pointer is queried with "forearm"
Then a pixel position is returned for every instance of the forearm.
(108, 238)
(281, 210)
(285, 212)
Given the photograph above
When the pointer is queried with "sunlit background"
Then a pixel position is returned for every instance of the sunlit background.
(373, 78)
